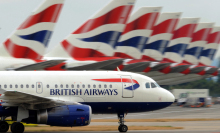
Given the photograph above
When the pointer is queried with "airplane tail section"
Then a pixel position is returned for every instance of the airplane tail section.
(160, 37)
(136, 33)
(182, 36)
(31, 38)
(211, 47)
(199, 39)
(98, 36)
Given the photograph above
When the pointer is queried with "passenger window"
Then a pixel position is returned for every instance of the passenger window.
(88, 86)
(48, 86)
(10, 86)
(61, 86)
(83, 86)
(153, 85)
(39, 86)
(67, 86)
(32, 86)
(78, 86)
(27, 86)
(56, 86)
(72, 86)
(94, 86)
(105, 86)
(22, 86)
(110, 86)
(147, 85)
(5, 86)
(16, 86)
(100, 86)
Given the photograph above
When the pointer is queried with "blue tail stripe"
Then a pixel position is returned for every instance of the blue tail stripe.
(159, 45)
(209, 53)
(110, 37)
(137, 42)
(178, 48)
(195, 51)
(41, 36)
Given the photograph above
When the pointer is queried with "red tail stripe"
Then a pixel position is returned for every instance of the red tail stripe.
(185, 31)
(114, 16)
(21, 51)
(48, 15)
(141, 23)
(214, 37)
(201, 35)
(165, 27)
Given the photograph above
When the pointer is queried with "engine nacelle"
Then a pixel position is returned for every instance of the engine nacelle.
(68, 115)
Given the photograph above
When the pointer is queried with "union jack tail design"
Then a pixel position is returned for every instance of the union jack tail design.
(160, 37)
(98, 36)
(136, 33)
(31, 38)
(211, 47)
(199, 39)
(182, 36)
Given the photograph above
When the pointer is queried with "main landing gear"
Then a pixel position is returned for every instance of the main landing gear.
(122, 127)
(16, 127)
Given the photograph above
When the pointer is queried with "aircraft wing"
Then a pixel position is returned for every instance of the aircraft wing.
(38, 66)
(99, 65)
(13, 98)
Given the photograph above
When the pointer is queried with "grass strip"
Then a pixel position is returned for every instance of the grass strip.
(154, 120)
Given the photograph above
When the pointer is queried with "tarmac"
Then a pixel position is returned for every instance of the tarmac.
(173, 112)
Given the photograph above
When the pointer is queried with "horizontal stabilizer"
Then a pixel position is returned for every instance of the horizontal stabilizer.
(38, 66)
(100, 65)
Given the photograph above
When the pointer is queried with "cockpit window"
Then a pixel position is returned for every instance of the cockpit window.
(153, 85)
(147, 85)
(157, 85)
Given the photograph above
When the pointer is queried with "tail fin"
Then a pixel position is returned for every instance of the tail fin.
(98, 36)
(31, 38)
(162, 33)
(182, 36)
(199, 39)
(136, 33)
(211, 47)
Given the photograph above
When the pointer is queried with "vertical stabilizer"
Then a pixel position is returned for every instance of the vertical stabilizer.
(182, 36)
(136, 33)
(211, 47)
(98, 36)
(31, 38)
(199, 39)
(160, 37)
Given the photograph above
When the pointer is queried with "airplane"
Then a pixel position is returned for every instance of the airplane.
(192, 55)
(68, 98)
(93, 42)
(24, 48)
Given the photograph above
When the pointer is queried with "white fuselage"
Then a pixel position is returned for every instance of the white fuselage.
(104, 91)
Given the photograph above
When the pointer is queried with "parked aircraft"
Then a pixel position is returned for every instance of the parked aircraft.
(25, 47)
(61, 98)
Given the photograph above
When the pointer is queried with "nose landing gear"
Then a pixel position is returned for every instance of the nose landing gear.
(122, 127)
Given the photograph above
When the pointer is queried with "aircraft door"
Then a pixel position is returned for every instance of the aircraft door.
(39, 87)
(127, 87)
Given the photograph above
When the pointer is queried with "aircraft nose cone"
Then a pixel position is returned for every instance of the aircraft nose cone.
(170, 97)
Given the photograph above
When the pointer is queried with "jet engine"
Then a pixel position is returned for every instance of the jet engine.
(67, 115)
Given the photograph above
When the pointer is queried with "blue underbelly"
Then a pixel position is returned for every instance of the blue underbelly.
(123, 107)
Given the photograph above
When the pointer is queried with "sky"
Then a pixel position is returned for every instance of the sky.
(76, 12)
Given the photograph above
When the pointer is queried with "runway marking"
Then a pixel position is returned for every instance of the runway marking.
(138, 114)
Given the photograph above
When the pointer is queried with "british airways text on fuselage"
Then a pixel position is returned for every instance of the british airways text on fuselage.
(83, 92)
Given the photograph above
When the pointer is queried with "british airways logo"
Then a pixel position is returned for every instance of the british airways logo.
(130, 84)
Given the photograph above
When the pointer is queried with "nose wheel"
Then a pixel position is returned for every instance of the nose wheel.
(122, 127)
